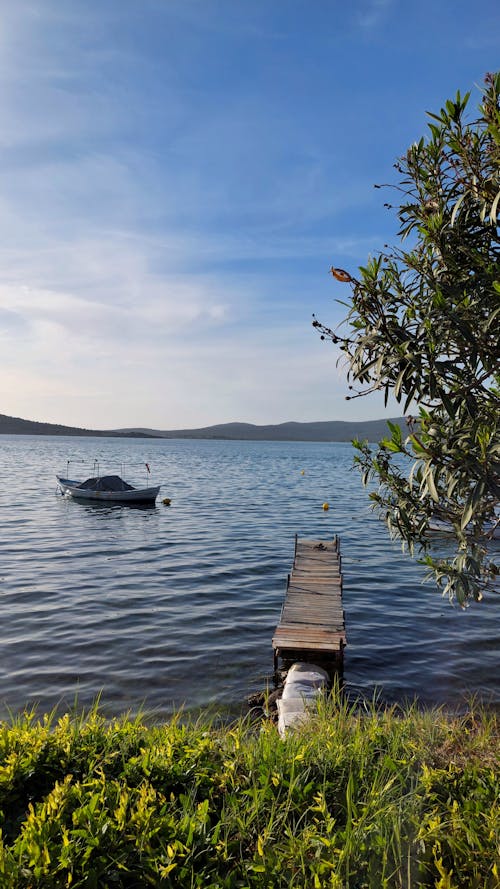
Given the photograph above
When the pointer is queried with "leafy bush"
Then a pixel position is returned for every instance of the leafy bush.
(359, 798)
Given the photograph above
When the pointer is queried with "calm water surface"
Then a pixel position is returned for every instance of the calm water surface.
(176, 606)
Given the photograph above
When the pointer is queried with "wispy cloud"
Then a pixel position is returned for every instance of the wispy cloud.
(373, 13)
(175, 180)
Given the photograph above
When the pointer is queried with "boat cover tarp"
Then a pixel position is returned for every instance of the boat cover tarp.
(304, 681)
(106, 483)
(303, 685)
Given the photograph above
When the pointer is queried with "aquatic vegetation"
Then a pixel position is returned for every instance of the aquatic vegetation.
(360, 797)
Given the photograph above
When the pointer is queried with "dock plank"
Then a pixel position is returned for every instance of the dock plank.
(312, 617)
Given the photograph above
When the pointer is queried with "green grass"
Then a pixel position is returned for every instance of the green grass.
(361, 797)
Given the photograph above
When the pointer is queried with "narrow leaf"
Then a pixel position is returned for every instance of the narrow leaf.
(494, 207)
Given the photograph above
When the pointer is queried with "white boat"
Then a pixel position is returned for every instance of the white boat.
(107, 488)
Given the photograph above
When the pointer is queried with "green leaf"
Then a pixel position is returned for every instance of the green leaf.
(456, 208)
(399, 383)
(448, 404)
(390, 445)
(397, 435)
(494, 315)
(466, 516)
(431, 486)
(494, 207)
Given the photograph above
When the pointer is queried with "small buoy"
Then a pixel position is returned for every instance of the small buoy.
(325, 506)
(167, 501)
(303, 472)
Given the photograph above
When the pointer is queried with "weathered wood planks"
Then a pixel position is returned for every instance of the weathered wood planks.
(312, 618)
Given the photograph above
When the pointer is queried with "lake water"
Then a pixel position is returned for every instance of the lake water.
(176, 606)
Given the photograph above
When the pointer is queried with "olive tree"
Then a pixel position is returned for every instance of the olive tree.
(423, 326)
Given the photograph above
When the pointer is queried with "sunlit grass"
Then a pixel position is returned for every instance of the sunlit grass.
(361, 797)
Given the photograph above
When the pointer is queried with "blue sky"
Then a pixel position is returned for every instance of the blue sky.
(177, 177)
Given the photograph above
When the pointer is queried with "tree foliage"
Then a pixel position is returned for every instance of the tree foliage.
(423, 325)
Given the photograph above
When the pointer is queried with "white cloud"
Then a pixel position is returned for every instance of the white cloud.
(157, 233)
(185, 384)
(121, 331)
(373, 12)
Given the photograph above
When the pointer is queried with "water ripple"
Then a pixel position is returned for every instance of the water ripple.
(171, 607)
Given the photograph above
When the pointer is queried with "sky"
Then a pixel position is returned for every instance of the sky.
(178, 176)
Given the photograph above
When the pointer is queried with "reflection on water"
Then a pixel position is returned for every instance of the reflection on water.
(166, 606)
(110, 507)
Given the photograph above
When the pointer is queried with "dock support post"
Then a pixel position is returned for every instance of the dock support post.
(275, 664)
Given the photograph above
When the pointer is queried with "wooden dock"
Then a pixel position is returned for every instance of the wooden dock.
(312, 626)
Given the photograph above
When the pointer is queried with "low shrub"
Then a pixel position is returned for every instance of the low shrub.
(360, 797)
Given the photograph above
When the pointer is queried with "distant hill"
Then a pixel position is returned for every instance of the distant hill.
(326, 430)
(16, 426)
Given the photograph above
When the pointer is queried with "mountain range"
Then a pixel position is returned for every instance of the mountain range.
(326, 430)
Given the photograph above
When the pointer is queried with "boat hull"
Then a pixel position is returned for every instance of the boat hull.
(71, 488)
